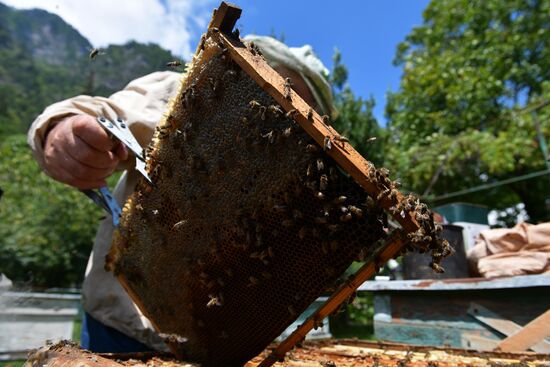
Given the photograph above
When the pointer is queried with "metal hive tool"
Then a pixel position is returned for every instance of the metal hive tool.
(258, 206)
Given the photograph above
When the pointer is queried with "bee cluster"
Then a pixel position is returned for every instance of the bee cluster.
(247, 221)
(426, 238)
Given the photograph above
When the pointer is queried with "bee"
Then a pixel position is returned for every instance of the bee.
(371, 139)
(189, 97)
(95, 52)
(384, 172)
(340, 199)
(270, 136)
(287, 132)
(171, 338)
(290, 114)
(274, 109)
(215, 30)
(436, 267)
(287, 88)
(311, 148)
(173, 64)
(309, 114)
(326, 120)
(213, 84)
(346, 217)
(320, 195)
(356, 211)
(236, 33)
(202, 42)
(309, 170)
(179, 225)
(253, 104)
(252, 48)
(342, 139)
(320, 165)
(323, 182)
(317, 323)
(270, 252)
(327, 144)
(214, 301)
(382, 193)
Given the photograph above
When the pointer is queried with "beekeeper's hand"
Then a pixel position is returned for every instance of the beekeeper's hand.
(80, 153)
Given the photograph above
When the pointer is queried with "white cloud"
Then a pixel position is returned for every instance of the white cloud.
(174, 24)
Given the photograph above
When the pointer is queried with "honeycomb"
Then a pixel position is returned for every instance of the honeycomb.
(247, 223)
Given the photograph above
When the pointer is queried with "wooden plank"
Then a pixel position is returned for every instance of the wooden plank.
(225, 17)
(500, 324)
(467, 284)
(531, 335)
(478, 342)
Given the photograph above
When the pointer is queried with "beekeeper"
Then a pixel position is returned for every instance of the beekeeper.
(73, 148)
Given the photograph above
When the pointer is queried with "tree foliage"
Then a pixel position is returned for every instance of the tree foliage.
(471, 72)
(46, 228)
(355, 116)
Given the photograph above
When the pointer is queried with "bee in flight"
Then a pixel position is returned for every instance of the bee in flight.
(94, 52)
(173, 64)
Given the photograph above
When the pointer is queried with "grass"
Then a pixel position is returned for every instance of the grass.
(17, 363)
(77, 328)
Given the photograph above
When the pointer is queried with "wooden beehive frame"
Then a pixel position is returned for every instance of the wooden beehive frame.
(251, 62)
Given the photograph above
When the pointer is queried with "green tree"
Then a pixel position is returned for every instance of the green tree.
(471, 73)
(355, 116)
(46, 228)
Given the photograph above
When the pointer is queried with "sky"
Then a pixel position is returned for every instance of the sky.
(366, 32)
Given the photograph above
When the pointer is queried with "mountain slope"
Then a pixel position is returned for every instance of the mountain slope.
(43, 60)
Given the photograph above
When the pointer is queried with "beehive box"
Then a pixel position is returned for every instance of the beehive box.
(344, 353)
(250, 217)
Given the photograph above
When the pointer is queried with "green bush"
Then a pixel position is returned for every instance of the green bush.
(46, 228)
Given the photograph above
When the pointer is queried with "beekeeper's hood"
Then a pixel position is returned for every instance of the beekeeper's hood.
(303, 61)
